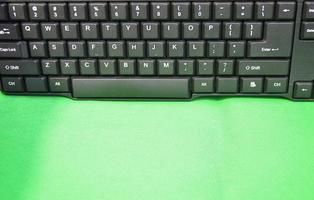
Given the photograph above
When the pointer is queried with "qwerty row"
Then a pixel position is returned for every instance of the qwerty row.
(263, 10)
(134, 30)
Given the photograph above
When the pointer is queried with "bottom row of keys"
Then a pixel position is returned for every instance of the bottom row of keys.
(200, 84)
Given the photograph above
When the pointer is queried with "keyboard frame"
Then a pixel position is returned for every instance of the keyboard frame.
(301, 67)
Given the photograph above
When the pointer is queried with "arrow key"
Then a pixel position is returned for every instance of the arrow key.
(303, 90)
(285, 10)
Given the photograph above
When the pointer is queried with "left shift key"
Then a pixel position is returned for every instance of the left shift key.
(13, 50)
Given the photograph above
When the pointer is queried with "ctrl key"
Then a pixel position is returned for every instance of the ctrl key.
(303, 90)
(59, 84)
(12, 84)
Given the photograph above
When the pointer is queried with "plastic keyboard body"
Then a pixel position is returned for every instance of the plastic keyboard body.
(157, 49)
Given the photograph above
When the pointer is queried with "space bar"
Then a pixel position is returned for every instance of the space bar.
(97, 87)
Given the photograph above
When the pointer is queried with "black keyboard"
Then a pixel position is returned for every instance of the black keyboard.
(157, 49)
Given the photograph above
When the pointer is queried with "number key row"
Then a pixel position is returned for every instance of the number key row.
(146, 11)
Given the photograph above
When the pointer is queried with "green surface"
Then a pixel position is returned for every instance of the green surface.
(55, 148)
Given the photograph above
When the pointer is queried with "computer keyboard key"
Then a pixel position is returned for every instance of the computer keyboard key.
(205, 67)
(251, 85)
(146, 67)
(89, 30)
(181, 10)
(196, 49)
(156, 49)
(96, 49)
(160, 10)
(69, 66)
(130, 30)
(36, 84)
(211, 30)
(191, 30)
(253, 30)
(170, 30)
(166, 67)
(136, 49)
(77, 49)
(119, 11)
(37, 11)
(57, 49)
(38, 49)
(227, 84)
(275, 44)
(185, 67)
(216, 49)
(13, 50)
(225, 67)
(57, 11)
(139, 10)
(203, 85)
(85, 87)
(222, 10)
(109, 30)
(303, 90)
(59, 84)
(285, 10)
(18, 11)
(31, 31)
(50, 31)
(232, 30)
(78, 11)
(12, 84)
(236, 49)
(88, 67)
(176, 49)
(50, 66)
(263, 67)
(3, 11)
(127, 67)
(308, 10)
(116, 49)
(150, 30)
(264, 10)
(276, 85)
(98, 11)
(243, 10)
(107, 67)
(10, 31)
(201, 10)
(19, 67)
(307, 30)
(70, 30)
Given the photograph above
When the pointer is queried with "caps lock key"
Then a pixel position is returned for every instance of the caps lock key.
(13, 50)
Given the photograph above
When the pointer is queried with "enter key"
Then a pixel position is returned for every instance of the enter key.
(277, 43)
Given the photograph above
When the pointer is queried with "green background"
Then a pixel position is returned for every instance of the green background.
(54, 148)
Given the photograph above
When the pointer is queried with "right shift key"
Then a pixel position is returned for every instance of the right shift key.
(269, 67)
(277, 43)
